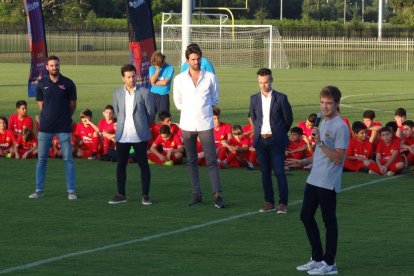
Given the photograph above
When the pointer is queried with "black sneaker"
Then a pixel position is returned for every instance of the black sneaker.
(118, 199)
(195, 200)
(219, 203)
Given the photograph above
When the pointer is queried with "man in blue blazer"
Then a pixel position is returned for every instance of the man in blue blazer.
(272, 118)
(134, 108)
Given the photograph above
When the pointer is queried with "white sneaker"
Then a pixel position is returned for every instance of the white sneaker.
(390, 173)
(72, 196)
(36, 195)
(324, 269)
(372, 172)
(308, 266)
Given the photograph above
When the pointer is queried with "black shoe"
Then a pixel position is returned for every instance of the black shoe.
(105, 157)
(195, 200)
(219, 203)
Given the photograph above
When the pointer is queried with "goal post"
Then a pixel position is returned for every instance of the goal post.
(251, 46)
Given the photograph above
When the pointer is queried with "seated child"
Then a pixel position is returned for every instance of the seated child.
(407, 146)
(297, 148)
(167, 148)
(6, 139)
(307, 127)
(373, 127)
(234, 152)
(26, 145)
(20, 120)
(399, 117)
(248, 130)
(388, 156)
(55, 151)
(359, 152)
(201, 160)
(165, 119)
(221, 130)
(107, 130)
(87, 137)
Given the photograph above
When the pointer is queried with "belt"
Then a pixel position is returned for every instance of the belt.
(266, 136)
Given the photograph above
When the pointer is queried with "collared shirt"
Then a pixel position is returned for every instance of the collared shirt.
(196, 101)
(266, 113)
(129, 135)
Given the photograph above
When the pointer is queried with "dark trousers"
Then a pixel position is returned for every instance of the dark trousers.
(272, 157)
(326, 199)
(162, 102)
(142, 159)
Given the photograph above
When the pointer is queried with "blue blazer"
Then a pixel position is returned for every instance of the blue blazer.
(281, 117)
(143, 115)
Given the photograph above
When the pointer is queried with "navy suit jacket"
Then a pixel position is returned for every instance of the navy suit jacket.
(281, 117)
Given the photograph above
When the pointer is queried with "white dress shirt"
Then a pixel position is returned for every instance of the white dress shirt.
(129, 134)
(196, 101)
(266, 113)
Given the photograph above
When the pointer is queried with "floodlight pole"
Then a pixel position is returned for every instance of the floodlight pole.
(185, 27)
(380, 6)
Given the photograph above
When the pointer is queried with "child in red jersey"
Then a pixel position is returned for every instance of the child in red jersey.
(221, 130)
(297, 148)
(165, 119)
(107, 130)
(87, 139)
(201, 160)
(167, 148)
(388, 157)
(400, 116)
(307, 127)
(407, 147)
(234, 152)
(20, 120)
(359, 152)
(6, 139)
(373, 127)
(26, 145)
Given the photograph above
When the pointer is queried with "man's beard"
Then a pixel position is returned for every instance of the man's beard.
(54, 73)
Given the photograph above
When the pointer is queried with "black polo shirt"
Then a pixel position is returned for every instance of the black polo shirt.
(56, 116)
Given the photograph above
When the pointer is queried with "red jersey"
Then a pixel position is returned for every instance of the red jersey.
(26, 145)
(242, 143)
(222, 133)
(173, 143)
(155, 129)
(306, 131)
(16, 125)
(85, 133)
(105, 126)
(387, 150)
(6, 139)
(296, 145)
(359, 149)
(408, 141)
(374, 124)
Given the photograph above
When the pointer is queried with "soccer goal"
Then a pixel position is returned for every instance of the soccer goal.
(226, 45)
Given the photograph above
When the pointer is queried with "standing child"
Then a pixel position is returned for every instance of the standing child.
(234, 152)
(297, 148)
(20, 120)
(26, 145)
(107, 130)
(171, 146)
(87, 137)
(6, 139)
(388, 157)
(359, 152)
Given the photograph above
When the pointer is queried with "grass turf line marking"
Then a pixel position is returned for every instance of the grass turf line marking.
(156, 236)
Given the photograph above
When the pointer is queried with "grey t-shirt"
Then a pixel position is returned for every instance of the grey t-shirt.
(325, 173)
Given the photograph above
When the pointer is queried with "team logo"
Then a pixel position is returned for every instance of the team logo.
(32, 6)
(136, 3)
(61, 86)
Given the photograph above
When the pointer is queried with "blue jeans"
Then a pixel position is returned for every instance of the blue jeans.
(44, 142)
(272, 157)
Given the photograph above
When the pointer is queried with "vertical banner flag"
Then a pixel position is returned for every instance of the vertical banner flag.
(141, 38)
(37, 42)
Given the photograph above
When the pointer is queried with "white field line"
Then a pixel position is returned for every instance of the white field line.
(160, 235)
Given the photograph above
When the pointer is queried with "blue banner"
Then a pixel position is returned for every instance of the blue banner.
(37, 42)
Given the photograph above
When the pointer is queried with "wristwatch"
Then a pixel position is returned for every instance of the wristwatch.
(321, 144)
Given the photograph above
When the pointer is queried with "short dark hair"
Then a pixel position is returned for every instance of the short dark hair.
(164, 115)
(108, 106)
(357, 126)
(312, 117)
(27, 134)
(164, 129)
(296, 130)
(128, 68)
(409, 123)
(86, 113)
(384, 129)
(264, 72)
(4, 119)
(392, 126)
(216, 111)
(401, 112)
(193, 49)
(20, 103)
(369, 114)
(331, 92)
(52, 57)
(236, 129)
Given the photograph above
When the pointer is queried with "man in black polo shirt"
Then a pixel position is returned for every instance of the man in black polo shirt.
(56, 98)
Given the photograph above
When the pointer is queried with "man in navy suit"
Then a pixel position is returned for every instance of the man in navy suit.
(272, 118)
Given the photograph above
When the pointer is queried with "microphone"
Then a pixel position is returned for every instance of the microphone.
(317, 121)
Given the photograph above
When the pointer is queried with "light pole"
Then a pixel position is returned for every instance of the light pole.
(281, 9)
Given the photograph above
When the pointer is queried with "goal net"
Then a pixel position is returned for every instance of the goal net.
(251, 46)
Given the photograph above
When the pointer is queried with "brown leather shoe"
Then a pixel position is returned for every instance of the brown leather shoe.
(267, 207)
(282, 209)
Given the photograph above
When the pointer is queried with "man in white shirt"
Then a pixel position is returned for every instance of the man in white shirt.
(195, 93)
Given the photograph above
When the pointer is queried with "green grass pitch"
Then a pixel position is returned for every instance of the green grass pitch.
(53, 236)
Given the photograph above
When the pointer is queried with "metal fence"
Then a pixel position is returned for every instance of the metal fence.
(111, 48)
